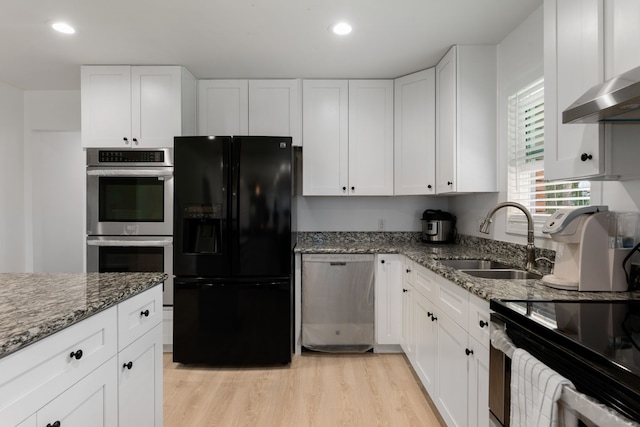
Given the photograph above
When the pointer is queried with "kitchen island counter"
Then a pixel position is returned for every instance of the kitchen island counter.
(36, 305)
(466, 247)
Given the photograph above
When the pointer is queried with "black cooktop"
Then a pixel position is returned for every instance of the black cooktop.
(595, 344)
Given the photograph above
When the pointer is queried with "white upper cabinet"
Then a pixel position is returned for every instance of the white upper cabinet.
(414, 142)
(466, 139)
(136, 106)
(586, 42)
(223, 107)
(250, 107)
(274, 109)
(348, 137)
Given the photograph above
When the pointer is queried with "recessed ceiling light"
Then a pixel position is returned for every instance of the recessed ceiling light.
(63, 27)
(341, 28)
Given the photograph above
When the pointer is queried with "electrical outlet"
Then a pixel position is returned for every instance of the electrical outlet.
(381, 225)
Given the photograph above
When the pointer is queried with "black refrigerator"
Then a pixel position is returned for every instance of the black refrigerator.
(233, 250)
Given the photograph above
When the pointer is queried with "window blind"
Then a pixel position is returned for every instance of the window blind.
(527, 185)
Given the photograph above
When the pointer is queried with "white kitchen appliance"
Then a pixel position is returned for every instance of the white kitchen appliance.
(584, 259)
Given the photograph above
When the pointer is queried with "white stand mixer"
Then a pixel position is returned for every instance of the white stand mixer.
(584, 261)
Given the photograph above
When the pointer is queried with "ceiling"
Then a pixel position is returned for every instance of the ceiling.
(244, 38)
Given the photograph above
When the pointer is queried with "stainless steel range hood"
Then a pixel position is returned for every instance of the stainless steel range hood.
(616, 100)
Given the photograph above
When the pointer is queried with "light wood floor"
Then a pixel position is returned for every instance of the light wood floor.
(316, 390)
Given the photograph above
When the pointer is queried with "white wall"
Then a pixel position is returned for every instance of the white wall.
(48, 115)
(12, 246)
(362, 213)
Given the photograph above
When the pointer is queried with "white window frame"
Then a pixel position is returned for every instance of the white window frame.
(525, 140)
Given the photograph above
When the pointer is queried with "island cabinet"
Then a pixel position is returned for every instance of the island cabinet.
(265, 107)
(81, 376)
(347, 128)
(466, 138)
(136, 106)
(451, 356)
(585, 43)
(415, 134)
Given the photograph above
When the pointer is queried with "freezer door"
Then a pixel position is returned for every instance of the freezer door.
(201, 228)
(261, 201)
(227, 323)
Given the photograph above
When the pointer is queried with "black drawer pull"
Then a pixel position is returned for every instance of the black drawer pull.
(483, 323)
(55, 424)
(127, 365)
(77, 354)
(144, 313)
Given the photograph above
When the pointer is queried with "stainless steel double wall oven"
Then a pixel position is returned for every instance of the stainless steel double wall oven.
(130, 212)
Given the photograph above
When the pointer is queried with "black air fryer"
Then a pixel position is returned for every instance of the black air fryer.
(438, 226)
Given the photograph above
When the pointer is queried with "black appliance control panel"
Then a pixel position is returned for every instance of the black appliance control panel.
(124, 156)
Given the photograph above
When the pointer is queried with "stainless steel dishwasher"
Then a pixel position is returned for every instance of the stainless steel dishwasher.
(337, 302)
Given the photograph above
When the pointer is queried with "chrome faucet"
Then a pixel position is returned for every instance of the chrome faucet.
(531, 249)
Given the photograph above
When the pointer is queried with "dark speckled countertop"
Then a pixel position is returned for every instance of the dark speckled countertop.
(466, 247)
(33, 305)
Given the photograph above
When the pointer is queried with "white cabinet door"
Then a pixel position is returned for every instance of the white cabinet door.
(415, 132)
(573, 63)
(274, 109)
(388, 299)
(466, 141)
(140, 381)
(451, 395)
(622, 33)
(426, 342)
(156, 105)
(446, 123)
(106, 106)
(223, 107)
(371, 137)
(93, 401)
(478, 389)
(325, 127)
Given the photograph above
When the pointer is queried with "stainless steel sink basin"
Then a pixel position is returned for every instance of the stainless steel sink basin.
(472, 264)
(508, 274)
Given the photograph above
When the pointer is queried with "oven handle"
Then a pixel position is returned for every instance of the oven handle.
(145, 243)
(130, 172)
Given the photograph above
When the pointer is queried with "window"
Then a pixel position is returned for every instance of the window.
(526, 184)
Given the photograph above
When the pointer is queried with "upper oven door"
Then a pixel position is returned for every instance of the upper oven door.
(130, 201)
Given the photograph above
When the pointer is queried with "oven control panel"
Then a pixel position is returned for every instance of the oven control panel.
(111, 156)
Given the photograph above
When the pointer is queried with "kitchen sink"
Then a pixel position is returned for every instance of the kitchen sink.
(473, 264)
(508, 274)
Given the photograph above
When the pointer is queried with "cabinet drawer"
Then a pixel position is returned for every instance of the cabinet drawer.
(138, 315)
(425, 282)
(453, 301)
(479, 320)
(33, 376)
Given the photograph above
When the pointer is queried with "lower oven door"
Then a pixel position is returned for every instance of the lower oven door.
(117, 254)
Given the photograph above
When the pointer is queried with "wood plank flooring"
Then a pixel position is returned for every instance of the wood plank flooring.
(316, 390)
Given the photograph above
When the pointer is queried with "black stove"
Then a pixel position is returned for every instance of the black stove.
(595, 344)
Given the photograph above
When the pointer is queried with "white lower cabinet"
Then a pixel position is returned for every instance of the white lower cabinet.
(408, 291)
(75, 377)
(451, 353)
(388, 299)
(140, 381)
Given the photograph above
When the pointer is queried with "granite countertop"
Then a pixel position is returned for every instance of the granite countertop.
(466, 247)
(36, 305)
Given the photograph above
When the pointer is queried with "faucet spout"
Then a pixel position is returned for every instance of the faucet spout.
(531, 249)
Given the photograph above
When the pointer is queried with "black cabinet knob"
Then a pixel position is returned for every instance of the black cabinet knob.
(126, 140)
(144, 313)
(344, 188)
(405, 290)
(434, 318)
(429, 314)
(466, 350)
(353, 188)
(135, 140)
(55, 424)
(127, 365)
(77, 354)
(382, 261)
(429, 186)
(482, 323)
(449, 182)
(408, 270)
(584, 157)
